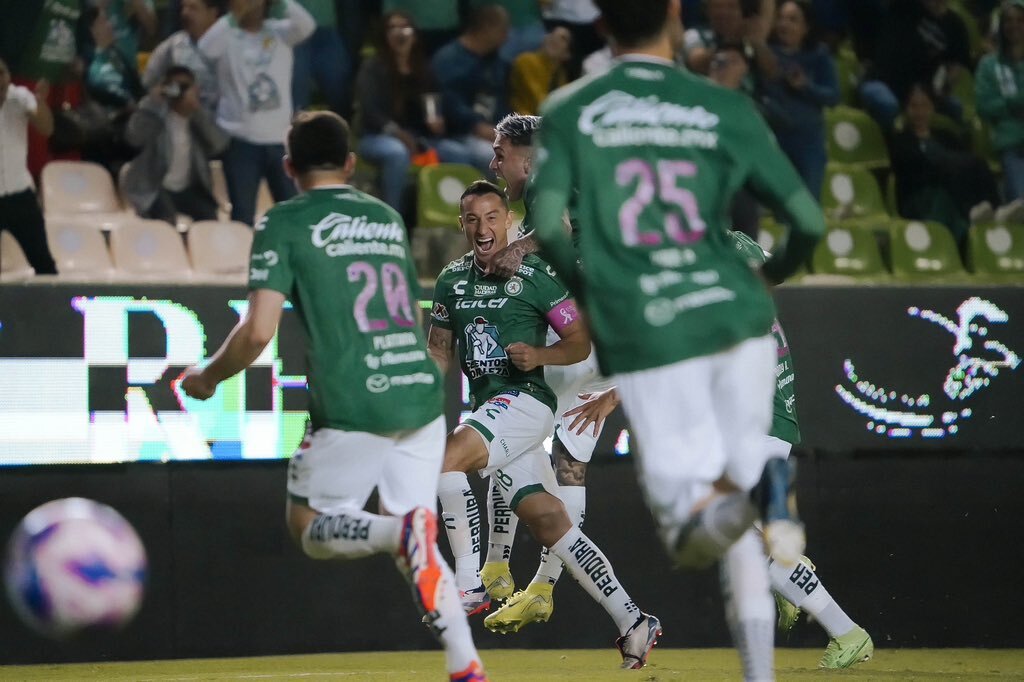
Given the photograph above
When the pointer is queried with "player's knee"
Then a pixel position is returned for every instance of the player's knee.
(464, 451)
(548, 522)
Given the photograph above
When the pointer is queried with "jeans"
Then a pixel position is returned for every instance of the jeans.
(324, 59)
(245, 164)
(806, 150)
(20, 215)
(1013, 174)
(467, 149)
(392, 157)
(883, 105)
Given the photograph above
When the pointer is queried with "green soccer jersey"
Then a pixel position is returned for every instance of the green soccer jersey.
(648, 159)
(342, 258)
(784, 420)
(487, 313)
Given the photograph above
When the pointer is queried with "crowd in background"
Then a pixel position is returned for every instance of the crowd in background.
(155, 90)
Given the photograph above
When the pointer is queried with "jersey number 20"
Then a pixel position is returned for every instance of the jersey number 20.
(659, 179)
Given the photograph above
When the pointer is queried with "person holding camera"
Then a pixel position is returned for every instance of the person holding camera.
(177, 137)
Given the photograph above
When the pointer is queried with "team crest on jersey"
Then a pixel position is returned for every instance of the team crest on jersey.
(514, 286)
(440, 312)
(485, 354)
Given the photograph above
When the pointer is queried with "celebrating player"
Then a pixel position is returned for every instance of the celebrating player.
(571, 451)
(514, 411)
(343, 260)
(649, 157)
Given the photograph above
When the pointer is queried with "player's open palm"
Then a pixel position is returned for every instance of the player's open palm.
(196, 385)
(524, 356)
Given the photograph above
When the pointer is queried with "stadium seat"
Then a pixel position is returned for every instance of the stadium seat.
(851, 192)
(149, 249)
(82, 191)
(923, 250)
(855, 139)
(849, 72)
(13, 264)
(849, 252)
(438, 191)
(78, 249)
(219, 248)
(996, 250)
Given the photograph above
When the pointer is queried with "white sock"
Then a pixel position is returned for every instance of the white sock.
(712, 530)
(574, 497)
(749, 607)
(592, 570)
(503, 525)
(450, 626)
(461, 514)
(351, 534)
(800, 585)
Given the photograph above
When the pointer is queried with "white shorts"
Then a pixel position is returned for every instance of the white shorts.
(568, 382)
(704, 417)
(776, 447)
(514, 426)
(335, 470)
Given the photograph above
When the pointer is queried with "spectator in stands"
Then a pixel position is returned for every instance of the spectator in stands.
(1000, 96)
(19, 207)
(921, 41)
(129, 18)
(804, 84)
(438, 21)
(474, 82)
(322, 59)
(38, 41)
(399, 107)
(535, 74)
(253, 59)
(178, 137)
(728, 25)
(182, 49)
(113, 89)
(579, 16)
(526, 27)
(937, 177)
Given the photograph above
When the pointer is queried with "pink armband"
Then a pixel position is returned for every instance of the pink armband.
(562, 315)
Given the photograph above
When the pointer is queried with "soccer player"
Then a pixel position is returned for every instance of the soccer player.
(513, 411)
(376, 398)
(571, 451)
(796, 587)
(649, 158)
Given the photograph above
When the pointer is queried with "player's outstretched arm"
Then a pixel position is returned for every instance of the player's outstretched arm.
(440, 346)
(243, 345)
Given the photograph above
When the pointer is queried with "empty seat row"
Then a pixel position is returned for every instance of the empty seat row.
(139, 249)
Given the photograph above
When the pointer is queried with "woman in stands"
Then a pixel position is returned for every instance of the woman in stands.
(1000, 95)
(398, 108)
(805, 83)
(937, 176)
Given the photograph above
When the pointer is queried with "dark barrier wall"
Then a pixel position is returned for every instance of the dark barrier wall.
(922, 551)
(91, 381)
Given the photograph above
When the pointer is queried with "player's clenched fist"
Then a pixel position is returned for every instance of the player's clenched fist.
(524, 356)
(196, 385)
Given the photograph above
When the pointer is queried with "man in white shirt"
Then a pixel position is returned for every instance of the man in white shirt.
(19, 207)
(578, 16)
(177, 138)
(253, 59)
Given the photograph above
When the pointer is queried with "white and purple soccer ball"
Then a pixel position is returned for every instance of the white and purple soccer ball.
(74, 564)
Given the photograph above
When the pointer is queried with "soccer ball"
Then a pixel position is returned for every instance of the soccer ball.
(74, 564)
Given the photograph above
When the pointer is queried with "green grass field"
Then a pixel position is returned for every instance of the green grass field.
(539, 666)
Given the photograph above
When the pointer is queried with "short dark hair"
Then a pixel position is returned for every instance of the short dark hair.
(518, 128)
(635, 22)
(178, 70)
(485, 16)
(481, 188)
(318, 140)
